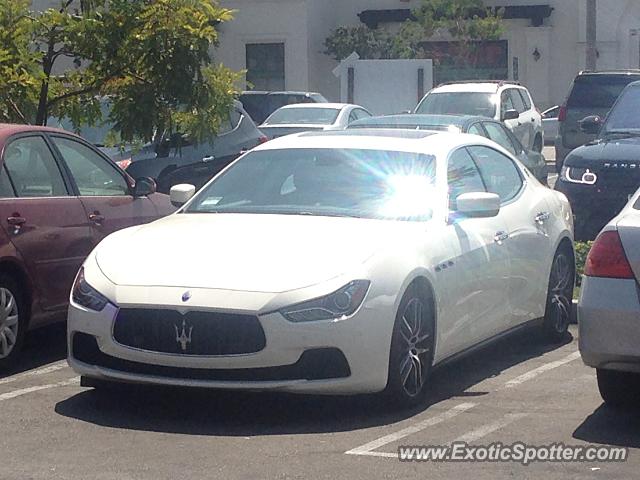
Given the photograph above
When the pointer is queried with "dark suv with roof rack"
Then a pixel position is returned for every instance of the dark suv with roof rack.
(601, 176)
(591, 93)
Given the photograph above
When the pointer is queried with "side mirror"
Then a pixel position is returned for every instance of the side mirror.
(510, 115)
(181, 194)
(144, 186)
(590, 125)
(478, 204)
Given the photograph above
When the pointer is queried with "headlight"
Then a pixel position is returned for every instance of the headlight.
(339, 304)
(85, 295)
(578, 175)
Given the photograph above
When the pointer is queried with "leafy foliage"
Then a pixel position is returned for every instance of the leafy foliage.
(151, 59)
(463, 21)
(582, 250)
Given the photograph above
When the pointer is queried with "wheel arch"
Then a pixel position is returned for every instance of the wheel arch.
(424, 285)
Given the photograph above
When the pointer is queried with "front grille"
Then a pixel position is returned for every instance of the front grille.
(194, 333)
(314, 364)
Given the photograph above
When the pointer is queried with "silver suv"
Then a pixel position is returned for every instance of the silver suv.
(507, 102)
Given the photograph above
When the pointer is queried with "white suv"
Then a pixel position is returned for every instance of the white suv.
(504, 101)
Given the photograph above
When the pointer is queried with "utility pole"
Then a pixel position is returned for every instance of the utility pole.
(592, 52)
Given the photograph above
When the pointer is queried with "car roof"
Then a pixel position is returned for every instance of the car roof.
(335, 106)
(414, 141)
(284, 92)
(8, 129)
(418, 119)
(610, 72)
(479, 87)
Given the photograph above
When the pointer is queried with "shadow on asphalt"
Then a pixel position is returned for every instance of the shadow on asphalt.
(611, 426)
(41, 347)
(224, 413)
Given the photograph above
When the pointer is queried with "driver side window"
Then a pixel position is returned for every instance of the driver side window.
(93, 175)
(463, 176)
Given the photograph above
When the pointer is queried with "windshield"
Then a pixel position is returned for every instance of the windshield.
(322, 116)
(325, 182)
(459, 103)
(624, 116)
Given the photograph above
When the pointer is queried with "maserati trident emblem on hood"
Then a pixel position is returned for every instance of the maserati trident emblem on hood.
(186, 296)
(182, 337)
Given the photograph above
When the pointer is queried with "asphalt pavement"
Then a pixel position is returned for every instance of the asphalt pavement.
(519, 390)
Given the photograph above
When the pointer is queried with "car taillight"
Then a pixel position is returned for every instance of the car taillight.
(562, 113)
(263, 139)
(607, 258)
(123, 164)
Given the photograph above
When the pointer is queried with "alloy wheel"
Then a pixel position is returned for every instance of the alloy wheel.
(415, 330)
(8, 322)
(560, 292)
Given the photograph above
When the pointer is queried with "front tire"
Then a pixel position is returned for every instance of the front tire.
(618, 389)
(411, 355)
(13, 321)
(559, 296)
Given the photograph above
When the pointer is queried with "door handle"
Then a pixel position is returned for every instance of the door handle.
(96, 218)
(500, 237)
(542, 217)
(16, 221)
(209, 158)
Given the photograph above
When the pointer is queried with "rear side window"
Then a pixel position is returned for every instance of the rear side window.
(498, 134)
(499, 173)
(518, 102)
(525, 98)
(6, 189)
(32, 168)
(463, 176)
(592, 91)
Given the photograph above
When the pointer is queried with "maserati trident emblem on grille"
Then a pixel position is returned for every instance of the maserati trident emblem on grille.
(182, 337)
(186, 296)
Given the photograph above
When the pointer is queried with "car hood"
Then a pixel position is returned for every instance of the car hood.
(606, 151)
(258, 253)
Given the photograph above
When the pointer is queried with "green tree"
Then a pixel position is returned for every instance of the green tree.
(150, 58)
(464, 21)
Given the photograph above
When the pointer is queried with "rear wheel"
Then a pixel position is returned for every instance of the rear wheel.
(619, 389)
(13, 321)
(559, 295)
(412, 345)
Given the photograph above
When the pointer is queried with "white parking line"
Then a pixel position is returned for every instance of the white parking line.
(24, 391)
(367, 448)
(525, 377)
(54, 367)
(485, 430)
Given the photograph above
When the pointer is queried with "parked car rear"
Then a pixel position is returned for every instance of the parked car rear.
(591, 93)
(59, 197)
(260, 104)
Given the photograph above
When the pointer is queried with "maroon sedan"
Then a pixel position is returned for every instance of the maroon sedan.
(59, 197)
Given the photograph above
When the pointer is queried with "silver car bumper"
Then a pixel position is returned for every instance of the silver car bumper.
(609, 323)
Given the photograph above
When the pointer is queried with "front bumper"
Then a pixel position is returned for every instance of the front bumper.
(592, 207)
(292, 359)
(609, 323)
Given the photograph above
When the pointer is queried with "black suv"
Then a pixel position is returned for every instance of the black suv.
(591, 93)
(600, 177)
(259, 105)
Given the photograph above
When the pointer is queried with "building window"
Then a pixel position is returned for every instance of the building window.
(265, 66)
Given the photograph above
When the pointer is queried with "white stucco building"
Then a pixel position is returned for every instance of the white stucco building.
(280, 42)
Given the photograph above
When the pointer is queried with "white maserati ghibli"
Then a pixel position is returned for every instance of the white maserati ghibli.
(334, 262)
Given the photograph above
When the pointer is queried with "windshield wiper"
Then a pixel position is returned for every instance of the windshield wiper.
(623, 133)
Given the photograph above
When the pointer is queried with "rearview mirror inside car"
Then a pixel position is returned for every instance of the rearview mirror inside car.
(591, 124)
(478, 204)
(510, 115)
(181, 194)
(144, 186)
